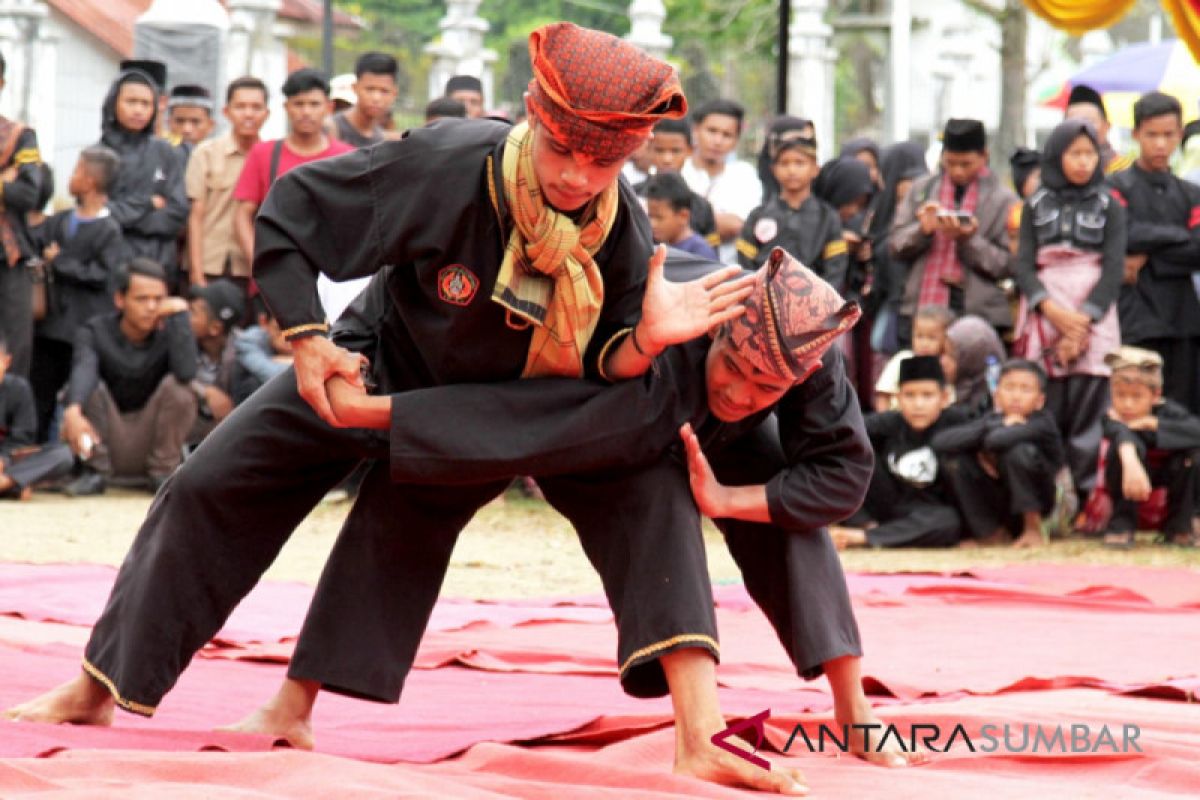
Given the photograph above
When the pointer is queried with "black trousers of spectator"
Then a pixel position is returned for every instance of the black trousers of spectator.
(1177, 471)
(908, 517)
(47, 375)
(1181, 369)
(16, 314)
(1078, 404)
(222, 517)
(1026, 484)
(795, 576)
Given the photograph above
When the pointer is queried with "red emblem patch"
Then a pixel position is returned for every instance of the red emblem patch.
(457, 284)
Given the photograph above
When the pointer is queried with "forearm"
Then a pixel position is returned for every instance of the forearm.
(195, 243)
(630, 358)
(243, 226)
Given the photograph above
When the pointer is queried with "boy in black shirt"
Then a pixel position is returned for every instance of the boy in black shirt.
(83, 248)
(128, 405)
(1001, 466)
(23, 463)
(907, 502)
(1153, 442)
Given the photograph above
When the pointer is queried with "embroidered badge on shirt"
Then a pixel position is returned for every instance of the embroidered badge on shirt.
(457, 284)
(765, 229)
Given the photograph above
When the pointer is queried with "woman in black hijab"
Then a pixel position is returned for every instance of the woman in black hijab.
(900, 165)
(147, 198)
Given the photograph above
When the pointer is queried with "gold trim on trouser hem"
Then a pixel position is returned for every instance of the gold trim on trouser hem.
(667, 644)
(128, 705)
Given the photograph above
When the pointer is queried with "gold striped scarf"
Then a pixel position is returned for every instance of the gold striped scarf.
(548, 277)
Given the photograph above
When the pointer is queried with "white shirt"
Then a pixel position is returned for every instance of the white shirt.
(736, 190)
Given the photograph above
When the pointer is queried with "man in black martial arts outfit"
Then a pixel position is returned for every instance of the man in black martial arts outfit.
(778, 452)
(908, 499)
(512, 253)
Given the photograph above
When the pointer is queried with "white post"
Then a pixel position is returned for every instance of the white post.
(810, 73)
(645, 27)
(460, 50)
(900, 94)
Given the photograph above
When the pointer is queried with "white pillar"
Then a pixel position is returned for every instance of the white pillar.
(810, 71)
(900, 80)
(645, 27)
(460, 50)
(21, 25)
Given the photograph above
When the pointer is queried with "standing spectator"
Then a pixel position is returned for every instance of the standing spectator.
(866, 150)
(443, 107)
(22, 462)
(212, 174)
(900, 165)
(1026, 166)
(1069, 267)
(638, 166)
(468, 90)
(189, 117)
(148, 198)
(1189, 165)
(306, 102)
(845, 185)
(782, 127)
(129, 405)
(1085, 103)
(375, 89)
(214, 311)
(1158, 306)
(800, 223)
(670, 148)
(82, 249)
(953, 227)
(731, 186)
(21, 183)
(669, 207)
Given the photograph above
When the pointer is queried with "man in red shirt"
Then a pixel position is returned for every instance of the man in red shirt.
(306, 103)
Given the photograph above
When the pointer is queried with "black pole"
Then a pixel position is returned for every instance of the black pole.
(781, 80)
(327, 39)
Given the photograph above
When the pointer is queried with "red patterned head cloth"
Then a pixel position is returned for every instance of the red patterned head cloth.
(599, 95)
(791, 319)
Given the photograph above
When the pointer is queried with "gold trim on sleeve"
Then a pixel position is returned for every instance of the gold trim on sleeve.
(322, 327)
(125, 703)
(667, 644)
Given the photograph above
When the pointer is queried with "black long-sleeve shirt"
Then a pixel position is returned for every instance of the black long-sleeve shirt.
(1164, 225)
(1178, 429)
(811, 233)
(82, 274)
(130, 371)
(21, 194)
(18, 416)
(892, 438)
(988, 433)
(423, 207)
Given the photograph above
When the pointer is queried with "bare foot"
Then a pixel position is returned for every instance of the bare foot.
(865, 744)
(82, 701)
(1028, 540)
(703, 760)
(287, 716)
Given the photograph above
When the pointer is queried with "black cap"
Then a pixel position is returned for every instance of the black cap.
(1023, 162)
(964, 136)
(189, 94)
(1086, 94)
(922, 368)
(225, 299)
(155, 70)
(464, 83)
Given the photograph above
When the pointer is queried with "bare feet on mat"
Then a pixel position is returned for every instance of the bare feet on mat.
(287, 716)
(82, 701)
(866, 743)
(704, 760)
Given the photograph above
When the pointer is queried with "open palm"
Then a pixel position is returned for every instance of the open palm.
(679, 312)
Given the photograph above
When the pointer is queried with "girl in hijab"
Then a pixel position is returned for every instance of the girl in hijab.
(867, 151)
(781, 128)
(845, 183)
(147, 198)
(900, 165)
(972, 344)
(1069, 267)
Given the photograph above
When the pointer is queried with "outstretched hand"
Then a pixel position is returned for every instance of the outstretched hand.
(673, 313)
(708, 492)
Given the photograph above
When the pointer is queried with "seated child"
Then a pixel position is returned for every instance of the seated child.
(907, 503)
(928, 339)
(1153, 442)
(669, 207)
(1001, 467)
(23, 463)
